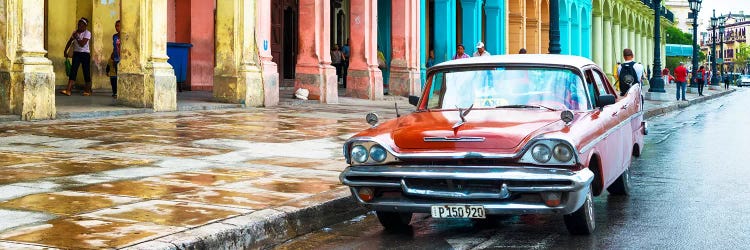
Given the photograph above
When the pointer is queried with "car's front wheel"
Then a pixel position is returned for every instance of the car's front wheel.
(581, 222)
(394, 220)
(621, 186)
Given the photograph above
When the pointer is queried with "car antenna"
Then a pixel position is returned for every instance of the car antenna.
(395, 104)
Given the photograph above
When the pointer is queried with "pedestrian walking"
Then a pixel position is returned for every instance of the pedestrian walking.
(680, 74)
(629, 72)
(431, 59)
(481, 51)
(665, 76)
(115, 60)
(701, 79)
(460, 54)
(337, 60)
(79, 42)
(346, 50)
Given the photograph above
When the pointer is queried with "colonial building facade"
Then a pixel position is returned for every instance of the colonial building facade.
(250, 51)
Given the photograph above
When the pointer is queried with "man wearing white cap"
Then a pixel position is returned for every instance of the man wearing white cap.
(480, 50)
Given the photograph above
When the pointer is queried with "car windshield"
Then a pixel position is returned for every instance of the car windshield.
(507, 87)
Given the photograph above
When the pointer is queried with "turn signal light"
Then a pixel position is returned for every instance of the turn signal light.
(366, 194)
(551, 199)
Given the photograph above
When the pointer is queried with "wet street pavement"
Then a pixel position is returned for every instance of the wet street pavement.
(689, 191)
(114, 182)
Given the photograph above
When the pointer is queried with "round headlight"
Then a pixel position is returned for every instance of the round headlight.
(359, 154)
(541, 153)
(562, 153)
(378, 153)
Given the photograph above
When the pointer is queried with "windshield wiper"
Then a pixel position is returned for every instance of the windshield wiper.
(524, 106)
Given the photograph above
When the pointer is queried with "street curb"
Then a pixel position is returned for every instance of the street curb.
(100, 114)
(681, 105)
(264, 228)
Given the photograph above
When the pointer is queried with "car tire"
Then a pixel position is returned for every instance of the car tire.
(394, 220)
(582, 221)
(621, 186)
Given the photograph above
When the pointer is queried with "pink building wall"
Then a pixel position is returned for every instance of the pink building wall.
(192, 21)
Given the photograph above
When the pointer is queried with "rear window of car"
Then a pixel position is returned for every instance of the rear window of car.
(557, 88)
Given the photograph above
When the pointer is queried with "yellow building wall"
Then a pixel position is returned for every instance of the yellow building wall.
(61, 22)
(62, 18)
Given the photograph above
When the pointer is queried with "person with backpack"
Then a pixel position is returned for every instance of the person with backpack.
(629, 72)
(680, 74)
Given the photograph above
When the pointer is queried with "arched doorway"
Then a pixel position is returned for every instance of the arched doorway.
(284, 40)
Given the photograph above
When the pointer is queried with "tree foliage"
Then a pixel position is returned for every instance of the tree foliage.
(741, 56)
(676, 36)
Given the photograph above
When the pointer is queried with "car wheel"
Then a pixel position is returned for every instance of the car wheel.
(393, 220)
(621, 186)
(581, 222)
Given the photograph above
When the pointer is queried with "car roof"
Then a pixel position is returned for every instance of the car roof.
(543, 59)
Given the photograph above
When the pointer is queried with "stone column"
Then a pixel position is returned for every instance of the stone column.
(597, 39)
(495, 30)
(471, 28)
(637, 49)
(269, 69)
(423, 42)
(27, 81)
(445, 30)
(631, 37)
(625, 33)
(404, 77)
(237, 75)
(609, 54)
(364, 79)
(145, 79)
(616, 46)
(314, 71)
(565, 35)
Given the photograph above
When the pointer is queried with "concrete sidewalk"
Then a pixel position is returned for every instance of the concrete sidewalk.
(235, 178)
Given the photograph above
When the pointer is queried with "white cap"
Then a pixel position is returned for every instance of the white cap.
(480, 45)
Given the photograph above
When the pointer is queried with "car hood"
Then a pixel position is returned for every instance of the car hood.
(484, 129)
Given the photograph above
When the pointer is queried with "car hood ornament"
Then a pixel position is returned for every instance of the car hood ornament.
(462, 114)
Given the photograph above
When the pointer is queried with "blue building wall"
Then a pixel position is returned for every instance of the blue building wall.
(575, 27)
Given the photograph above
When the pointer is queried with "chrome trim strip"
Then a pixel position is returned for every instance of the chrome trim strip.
(454, 139)
(593, 143)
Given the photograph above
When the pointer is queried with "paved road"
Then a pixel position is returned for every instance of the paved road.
(690, 191)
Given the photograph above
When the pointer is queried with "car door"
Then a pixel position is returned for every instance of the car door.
(626, 106)
(611, 147)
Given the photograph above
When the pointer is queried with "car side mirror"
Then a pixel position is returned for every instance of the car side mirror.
(413, 100)
(605, 100)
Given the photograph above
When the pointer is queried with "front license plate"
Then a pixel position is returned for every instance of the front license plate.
(458, 211)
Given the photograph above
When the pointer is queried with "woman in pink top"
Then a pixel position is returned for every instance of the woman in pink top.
(460, 53)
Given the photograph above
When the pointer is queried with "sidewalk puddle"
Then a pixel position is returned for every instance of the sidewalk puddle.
(251, 200)
(140, 188)
(209, 178)
(156, 149)
(170, 213)
(62, 164)
(79, 233)
(333, 165)
(298, 185)
(65, 203)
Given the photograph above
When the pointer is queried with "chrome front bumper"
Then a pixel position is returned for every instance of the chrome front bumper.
(514, 191)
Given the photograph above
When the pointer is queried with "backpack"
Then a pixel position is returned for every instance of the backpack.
(627, 77)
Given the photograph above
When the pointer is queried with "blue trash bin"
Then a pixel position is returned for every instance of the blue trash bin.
(178, 57)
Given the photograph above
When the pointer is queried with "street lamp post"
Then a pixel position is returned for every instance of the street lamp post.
(722, 19)
(714, 78)
(695, 7)
(656, 82)
(554, 27)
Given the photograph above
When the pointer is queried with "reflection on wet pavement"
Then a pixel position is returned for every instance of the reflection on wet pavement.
(85, 233)
(169, 213)
(65, 203)
(141, 189)
(94, 174)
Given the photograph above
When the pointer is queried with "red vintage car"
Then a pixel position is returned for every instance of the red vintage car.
(510, 134)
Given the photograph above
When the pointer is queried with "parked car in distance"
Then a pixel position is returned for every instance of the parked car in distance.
(744, 81)
(509, 134)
